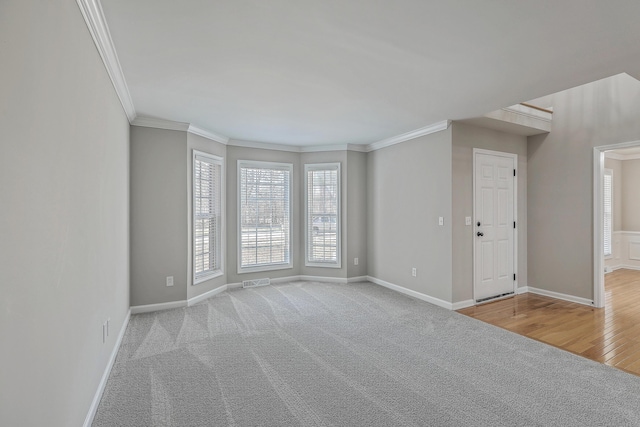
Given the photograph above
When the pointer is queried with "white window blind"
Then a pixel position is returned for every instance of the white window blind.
(322, 201)
(608, 210)
(207, 216)
(264, 216)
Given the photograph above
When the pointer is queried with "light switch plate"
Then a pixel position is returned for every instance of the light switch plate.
(467, 220)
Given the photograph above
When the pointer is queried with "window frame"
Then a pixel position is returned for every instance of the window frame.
(320, 167)
(219, 243)
(264, 165)
(607, 173)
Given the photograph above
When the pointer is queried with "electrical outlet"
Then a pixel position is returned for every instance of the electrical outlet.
(440, 220)
(355, 261)
(414, 272)
(169, 280)
(467, 220)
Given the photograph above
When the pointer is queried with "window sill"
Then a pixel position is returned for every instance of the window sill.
(213, 275)
(322, 265)
(265, 268)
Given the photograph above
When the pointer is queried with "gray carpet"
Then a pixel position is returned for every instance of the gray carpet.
(318, 354)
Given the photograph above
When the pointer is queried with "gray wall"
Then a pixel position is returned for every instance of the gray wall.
(630, 197)
(464, 139)
(616, 166)
(560, 180)
(196, 142)
(64, 222)
(409, 187)
(356, 206)
(158, 215)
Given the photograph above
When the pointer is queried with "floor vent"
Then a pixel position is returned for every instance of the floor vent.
(488, 299)
(255, 282)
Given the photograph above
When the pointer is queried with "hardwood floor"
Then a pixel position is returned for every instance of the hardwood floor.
(609, 335)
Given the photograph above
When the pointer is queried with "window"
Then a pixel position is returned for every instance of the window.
(322, 218)
(264, 232)
(207, 216)
(608, 211)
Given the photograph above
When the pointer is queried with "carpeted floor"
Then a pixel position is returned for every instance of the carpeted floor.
(322, 354)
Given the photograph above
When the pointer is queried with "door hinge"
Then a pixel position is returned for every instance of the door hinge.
(514, 277)
(514, 172)
(514, 224)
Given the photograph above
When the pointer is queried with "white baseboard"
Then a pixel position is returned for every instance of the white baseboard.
(137, 309)
(148, 308)
(628, 267)
(522, 290)
(412, 293)
(323, 279)
(463, 304)
(107, 371)
(208, 294)
(561, 296)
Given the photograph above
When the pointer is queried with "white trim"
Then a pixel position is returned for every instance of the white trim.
(334, 147)
(463, 304)
(627, 233)
(94, 17)
(320, 167)
(598, 228)
(207, 134)
(152, 122)
(362, 148)
(267, 165)
(432, 128)
(263, 145)
(529, 112)
(147, 308)
(558, 295)
(411, 293)
(206, 295)
(522, 290)
(357, 279)
(618, 156)
(626, 267)
(514, 158)
(220, 239)
(107, 371)
(343, 280)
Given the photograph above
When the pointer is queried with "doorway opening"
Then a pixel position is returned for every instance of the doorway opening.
(606, 239)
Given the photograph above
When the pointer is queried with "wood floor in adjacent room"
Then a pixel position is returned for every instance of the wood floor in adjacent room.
(609, 335)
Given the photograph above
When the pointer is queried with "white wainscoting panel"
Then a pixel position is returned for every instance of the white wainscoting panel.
(626, 251)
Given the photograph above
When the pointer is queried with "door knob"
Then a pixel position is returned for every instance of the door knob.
(480, 234)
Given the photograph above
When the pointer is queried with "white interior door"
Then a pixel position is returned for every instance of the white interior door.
(494, 226)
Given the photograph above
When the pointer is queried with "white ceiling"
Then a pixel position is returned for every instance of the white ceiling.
(310, 72)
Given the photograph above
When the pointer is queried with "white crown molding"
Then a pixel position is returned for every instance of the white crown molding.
(94, 17)
(618, 156)
(151, 122)
(433, 128)
(208, 134)
(263, 145)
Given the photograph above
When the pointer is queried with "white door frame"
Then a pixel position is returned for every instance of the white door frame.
(598, 219)
(514, 157)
